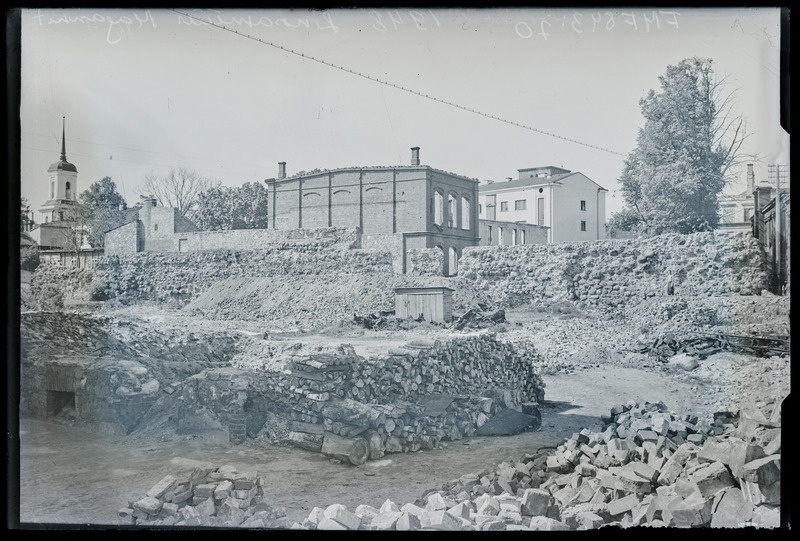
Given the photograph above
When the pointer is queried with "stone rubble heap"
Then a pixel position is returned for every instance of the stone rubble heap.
(646, 467)
(409, 399)
(220, 497)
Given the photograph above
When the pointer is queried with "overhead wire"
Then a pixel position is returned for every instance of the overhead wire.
(394, 85)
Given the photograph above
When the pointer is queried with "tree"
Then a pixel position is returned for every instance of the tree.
(223, 207)
(689, 141)
(179, 189)
(102, 202)
(25, 220)
(75, 229)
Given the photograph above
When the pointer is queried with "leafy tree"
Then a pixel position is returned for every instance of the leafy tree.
(24, 214)
(101, 201)
(689, 141)
(179, 189)
(223, 207)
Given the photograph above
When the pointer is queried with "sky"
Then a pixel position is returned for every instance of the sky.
(147, 90)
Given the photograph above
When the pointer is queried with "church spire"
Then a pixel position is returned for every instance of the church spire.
(63, 142)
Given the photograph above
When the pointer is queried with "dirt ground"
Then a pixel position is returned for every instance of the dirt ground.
(71, 475)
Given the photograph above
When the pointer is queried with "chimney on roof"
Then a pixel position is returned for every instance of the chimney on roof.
(281, 169)
(414, 155)
(751, 179)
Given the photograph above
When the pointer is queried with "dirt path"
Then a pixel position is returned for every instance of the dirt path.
(69, 475)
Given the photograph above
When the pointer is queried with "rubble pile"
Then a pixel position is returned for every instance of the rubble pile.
(645, 466)
(45, 334)
(612, 275)
(220, 497)
(411, 398)
(703, 345)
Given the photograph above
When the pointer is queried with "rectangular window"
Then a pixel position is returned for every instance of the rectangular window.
(519, 204)
(513, 237)
(480, 208)
(504, 206)
(499, 236)
(540, 210)
(583, 225)
(583, 205)
(490, 236)
(522, 236)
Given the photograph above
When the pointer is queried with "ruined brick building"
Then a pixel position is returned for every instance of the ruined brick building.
(395, 207)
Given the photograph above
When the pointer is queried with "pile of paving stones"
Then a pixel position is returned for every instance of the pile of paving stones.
(646, 466)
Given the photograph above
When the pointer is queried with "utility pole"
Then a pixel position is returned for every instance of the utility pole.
(777, 169)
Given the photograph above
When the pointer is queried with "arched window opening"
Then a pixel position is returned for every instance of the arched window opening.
(67, 193)
(499, 236)
(465, 215)
(438, 208)
(451, 210)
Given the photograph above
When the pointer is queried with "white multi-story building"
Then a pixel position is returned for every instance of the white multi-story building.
(570, 204)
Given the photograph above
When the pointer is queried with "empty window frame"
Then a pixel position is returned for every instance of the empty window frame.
(583, 204)
(522, 236)
(583, 225)
(438, 208)
(489, 240)
(451, 211)
(465, 214)
(503, 206)
(519, 204)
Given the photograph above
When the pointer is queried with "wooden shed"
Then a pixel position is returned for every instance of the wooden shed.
(433, 303)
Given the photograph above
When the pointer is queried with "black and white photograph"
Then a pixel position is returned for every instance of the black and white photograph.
(447, 269)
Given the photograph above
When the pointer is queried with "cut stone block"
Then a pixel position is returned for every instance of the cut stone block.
(547, 524)
(340, 514)
(764, 471)
(623, 505)
(462, 510)
(731, 509)
(206, 508)
(158, 490)
(435, 502)
(690, 512)
(443, 521)
(535, 502)
(223, 490)
(765, 516)
(586, 520)
(408, 522)
(205, 490)
(149, 505)
(712, 479)
(329, 524)
(385, 521)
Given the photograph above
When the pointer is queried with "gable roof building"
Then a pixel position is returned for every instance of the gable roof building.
(570, 204)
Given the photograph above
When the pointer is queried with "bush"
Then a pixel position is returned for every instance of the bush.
(28, 258)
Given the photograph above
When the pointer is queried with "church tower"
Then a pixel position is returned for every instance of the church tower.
(62, 186)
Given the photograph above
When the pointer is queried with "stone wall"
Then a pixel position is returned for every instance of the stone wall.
(262, 239)
(611, 274)
(424, 262)
(177, 278)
